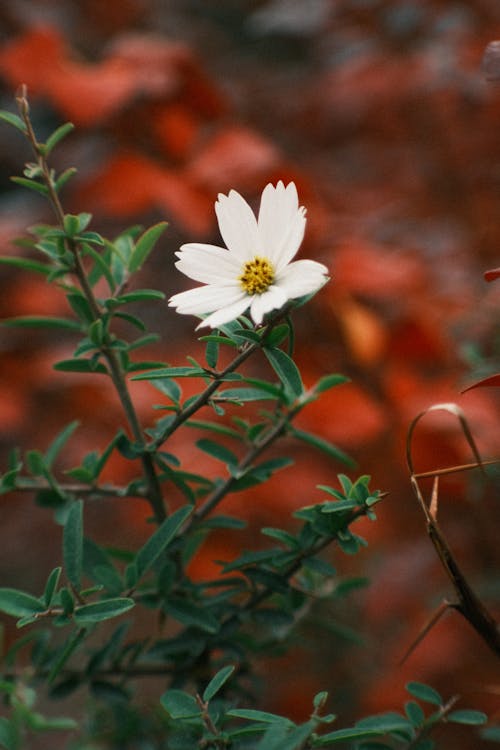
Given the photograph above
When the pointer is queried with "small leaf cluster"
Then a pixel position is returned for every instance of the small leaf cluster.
(210, 722)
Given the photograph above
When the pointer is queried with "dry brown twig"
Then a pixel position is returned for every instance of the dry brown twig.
(466, 600)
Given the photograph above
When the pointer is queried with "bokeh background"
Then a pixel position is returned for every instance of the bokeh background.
(381, 114)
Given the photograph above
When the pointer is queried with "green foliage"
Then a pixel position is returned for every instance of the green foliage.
(203, 638)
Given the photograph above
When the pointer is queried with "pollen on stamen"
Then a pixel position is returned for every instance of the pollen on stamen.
(257, 276)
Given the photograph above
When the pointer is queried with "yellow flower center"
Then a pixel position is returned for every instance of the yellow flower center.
(257, 276)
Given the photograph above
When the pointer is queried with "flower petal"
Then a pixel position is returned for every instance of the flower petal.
(281, 223)
(226, 314)
(206, 299)
(272, 299)
(237, 224)
(208, 263)
(302, 277)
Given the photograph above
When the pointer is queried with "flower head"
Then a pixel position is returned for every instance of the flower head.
(255, 269)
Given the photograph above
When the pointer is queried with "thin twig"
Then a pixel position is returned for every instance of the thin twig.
(154, 497)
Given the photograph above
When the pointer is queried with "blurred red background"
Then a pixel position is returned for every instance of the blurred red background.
(380, 113)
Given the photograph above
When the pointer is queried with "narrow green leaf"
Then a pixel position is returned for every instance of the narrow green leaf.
(323, 445)
(243, 395)
(172, 372)
(212, 353)
(217, 682)
(70, 646)
(13, 120)
(26, 264)
(160, 540)
(80, 365)
(80, 306)
(57, 136)
(51, 586)
(287, 371)
(467, 716)
(103, 610)
(64, 177)
(18, 603)
(101, 268)
(140, 295)
(8, 733)
(220, 452)
(252, 714)
(220, 429)
(191, 615)
(59, 442)
(342, 735)
(180, 705)
(330, 381)
(73, 544)
(388, 722)
(40, 321)
(145, 245)
(37, 187)
(424, 693)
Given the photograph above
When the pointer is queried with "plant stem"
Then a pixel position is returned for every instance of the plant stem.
(115, 370)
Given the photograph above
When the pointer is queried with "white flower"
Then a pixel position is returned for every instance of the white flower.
(255, 271)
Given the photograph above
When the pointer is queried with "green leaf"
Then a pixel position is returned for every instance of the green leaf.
(51, 586)
(145, 245)
(103, 610)
(80, 306)
(80, 365)
(220, 429)
(140, 295)
(342, 735)
(19, 604)
(101, 268)
(59, 442)
(287, 371)
(39, 321)
(243, 395)
(172, 372)
(8, 731)
(491, 733)
(330, 381)
(64, 177)
(277, 335)
(424, 693)
(68, 648)
(217, 682)
(26, 264)
(160, 540)
(57, 136)
(220, 452)
(251, 714)
(37, 187)
(76, 223)
(191, 614)
(13, 120)
(323, 445)
(73, 544)
(385, 723)
(180, 705)
(467, 716)
(212, 353)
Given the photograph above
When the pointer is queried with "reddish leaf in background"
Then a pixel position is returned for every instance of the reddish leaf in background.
(143, 185)
(84, 93)
(90, 92)
(236, 157)
(492, 380)
(364, 268)
(492, 275)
